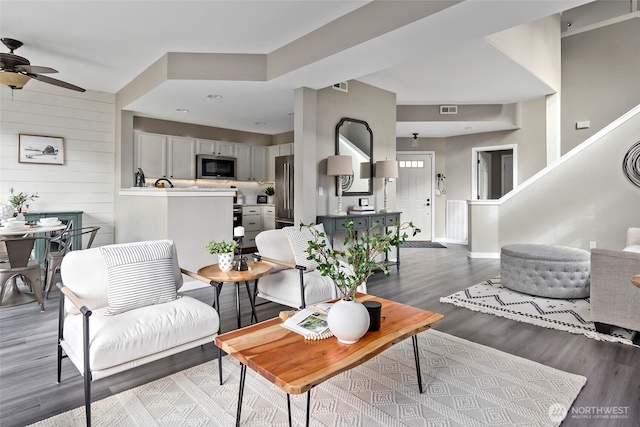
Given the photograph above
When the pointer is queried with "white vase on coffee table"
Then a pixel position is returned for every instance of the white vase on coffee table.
(348, 320)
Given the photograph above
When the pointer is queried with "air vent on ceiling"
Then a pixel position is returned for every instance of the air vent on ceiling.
(448, 109)
(342, 86)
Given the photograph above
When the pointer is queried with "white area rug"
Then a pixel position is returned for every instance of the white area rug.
(571, 315)
(464, 384)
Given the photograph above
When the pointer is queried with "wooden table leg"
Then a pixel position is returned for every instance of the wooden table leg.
(417, 357)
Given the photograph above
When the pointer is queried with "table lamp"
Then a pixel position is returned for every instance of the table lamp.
(386, 169)
(339, 166)
(238, 236)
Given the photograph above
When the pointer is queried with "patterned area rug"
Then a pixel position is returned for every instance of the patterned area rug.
(465, 384)
(571, 315)
(422, 245)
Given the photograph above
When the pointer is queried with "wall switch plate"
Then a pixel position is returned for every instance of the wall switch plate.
(583, 125)
(592, 244)
(320, 191)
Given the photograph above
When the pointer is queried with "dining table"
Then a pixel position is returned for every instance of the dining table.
(13, 295)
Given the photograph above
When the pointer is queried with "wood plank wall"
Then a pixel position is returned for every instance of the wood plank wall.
(85, 182)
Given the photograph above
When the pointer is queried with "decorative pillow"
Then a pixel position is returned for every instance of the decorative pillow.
(139, 274)
(299, 240)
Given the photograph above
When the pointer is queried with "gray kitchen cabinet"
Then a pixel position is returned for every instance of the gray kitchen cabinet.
(252, 223)
(181, 160)
(162, 156)
(216, 148)
(268, 217)
(274, 151)
(251, 162)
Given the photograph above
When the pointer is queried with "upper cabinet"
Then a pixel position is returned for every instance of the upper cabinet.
(161, 156)
(182, 158)
(251, 165)
(274, 151)
(174, 157)
(217, 148)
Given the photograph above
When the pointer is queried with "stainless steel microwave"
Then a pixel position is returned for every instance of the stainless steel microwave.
(215, 167)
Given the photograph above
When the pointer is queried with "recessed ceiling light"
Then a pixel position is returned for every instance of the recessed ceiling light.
(214, 96)
(260, 123)
(182, 110)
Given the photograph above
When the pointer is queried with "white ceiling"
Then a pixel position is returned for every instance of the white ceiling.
(440, 59)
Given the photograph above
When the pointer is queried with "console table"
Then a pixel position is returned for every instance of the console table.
(334, 224)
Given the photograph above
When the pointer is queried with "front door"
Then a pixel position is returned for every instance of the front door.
(414, 192)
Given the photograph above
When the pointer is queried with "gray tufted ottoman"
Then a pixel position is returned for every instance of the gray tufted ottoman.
(545, 270)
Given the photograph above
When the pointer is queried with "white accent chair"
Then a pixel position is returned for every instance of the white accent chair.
(101, 345)
(289, 282)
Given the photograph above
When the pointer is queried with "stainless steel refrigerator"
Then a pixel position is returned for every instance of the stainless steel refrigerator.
(284, 191)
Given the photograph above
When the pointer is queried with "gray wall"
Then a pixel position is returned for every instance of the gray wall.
(586, 198)
(364, 102)
(600, 78)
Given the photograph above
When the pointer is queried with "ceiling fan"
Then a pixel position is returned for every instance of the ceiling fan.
(16, 71)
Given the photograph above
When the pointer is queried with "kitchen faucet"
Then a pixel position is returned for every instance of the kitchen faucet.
(162, 179)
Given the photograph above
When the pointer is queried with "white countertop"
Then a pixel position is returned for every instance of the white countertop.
(177, 192)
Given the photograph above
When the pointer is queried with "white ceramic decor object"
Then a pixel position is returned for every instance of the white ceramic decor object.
(225, 261)
(348, 320)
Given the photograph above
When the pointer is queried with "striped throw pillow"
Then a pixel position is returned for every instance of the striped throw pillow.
(139, 274)
(299, 240)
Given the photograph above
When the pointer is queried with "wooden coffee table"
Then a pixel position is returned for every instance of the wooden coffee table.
(297, 365)
(256, 270)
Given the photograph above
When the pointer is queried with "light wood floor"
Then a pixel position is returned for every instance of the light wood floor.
(28, 389)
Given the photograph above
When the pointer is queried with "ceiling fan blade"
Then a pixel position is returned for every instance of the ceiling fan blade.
(55, 82)
(34, 69)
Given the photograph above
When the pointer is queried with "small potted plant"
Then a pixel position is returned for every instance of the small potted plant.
(270, 191)
(225, 251)
(361, 254)
(18, 201)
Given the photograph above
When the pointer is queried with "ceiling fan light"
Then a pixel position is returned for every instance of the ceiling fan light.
(13, 80)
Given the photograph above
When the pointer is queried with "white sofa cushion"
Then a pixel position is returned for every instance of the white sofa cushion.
(299, 238)
(632, 248)
(148, 265)
(85, 274)
(138, 333)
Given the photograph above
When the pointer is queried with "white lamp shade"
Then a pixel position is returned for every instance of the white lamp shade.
(339, 166)
(387, 169)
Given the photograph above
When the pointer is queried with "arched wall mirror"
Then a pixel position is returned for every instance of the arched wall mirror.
(354, 138)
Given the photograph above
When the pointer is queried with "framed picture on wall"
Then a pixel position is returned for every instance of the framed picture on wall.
(40, 149)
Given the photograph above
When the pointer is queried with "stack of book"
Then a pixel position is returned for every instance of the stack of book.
(359, 210)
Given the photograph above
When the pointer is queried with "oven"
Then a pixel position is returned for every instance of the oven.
(237, 215)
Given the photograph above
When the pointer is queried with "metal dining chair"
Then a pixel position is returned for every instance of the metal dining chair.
(65, 244)
(18, 265)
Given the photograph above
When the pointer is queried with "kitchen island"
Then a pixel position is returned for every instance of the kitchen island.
(191, 217)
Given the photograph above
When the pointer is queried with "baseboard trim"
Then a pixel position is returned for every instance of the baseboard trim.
(493, 255)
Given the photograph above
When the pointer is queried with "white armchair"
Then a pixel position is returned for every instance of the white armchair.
(125, 310)
(293, 280)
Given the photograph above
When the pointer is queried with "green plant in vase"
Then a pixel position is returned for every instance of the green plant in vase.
(269, 191)
(225, 251)
(18, 200)
(362, 249)
(348, 320)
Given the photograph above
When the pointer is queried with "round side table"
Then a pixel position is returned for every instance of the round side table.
(256, 270)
